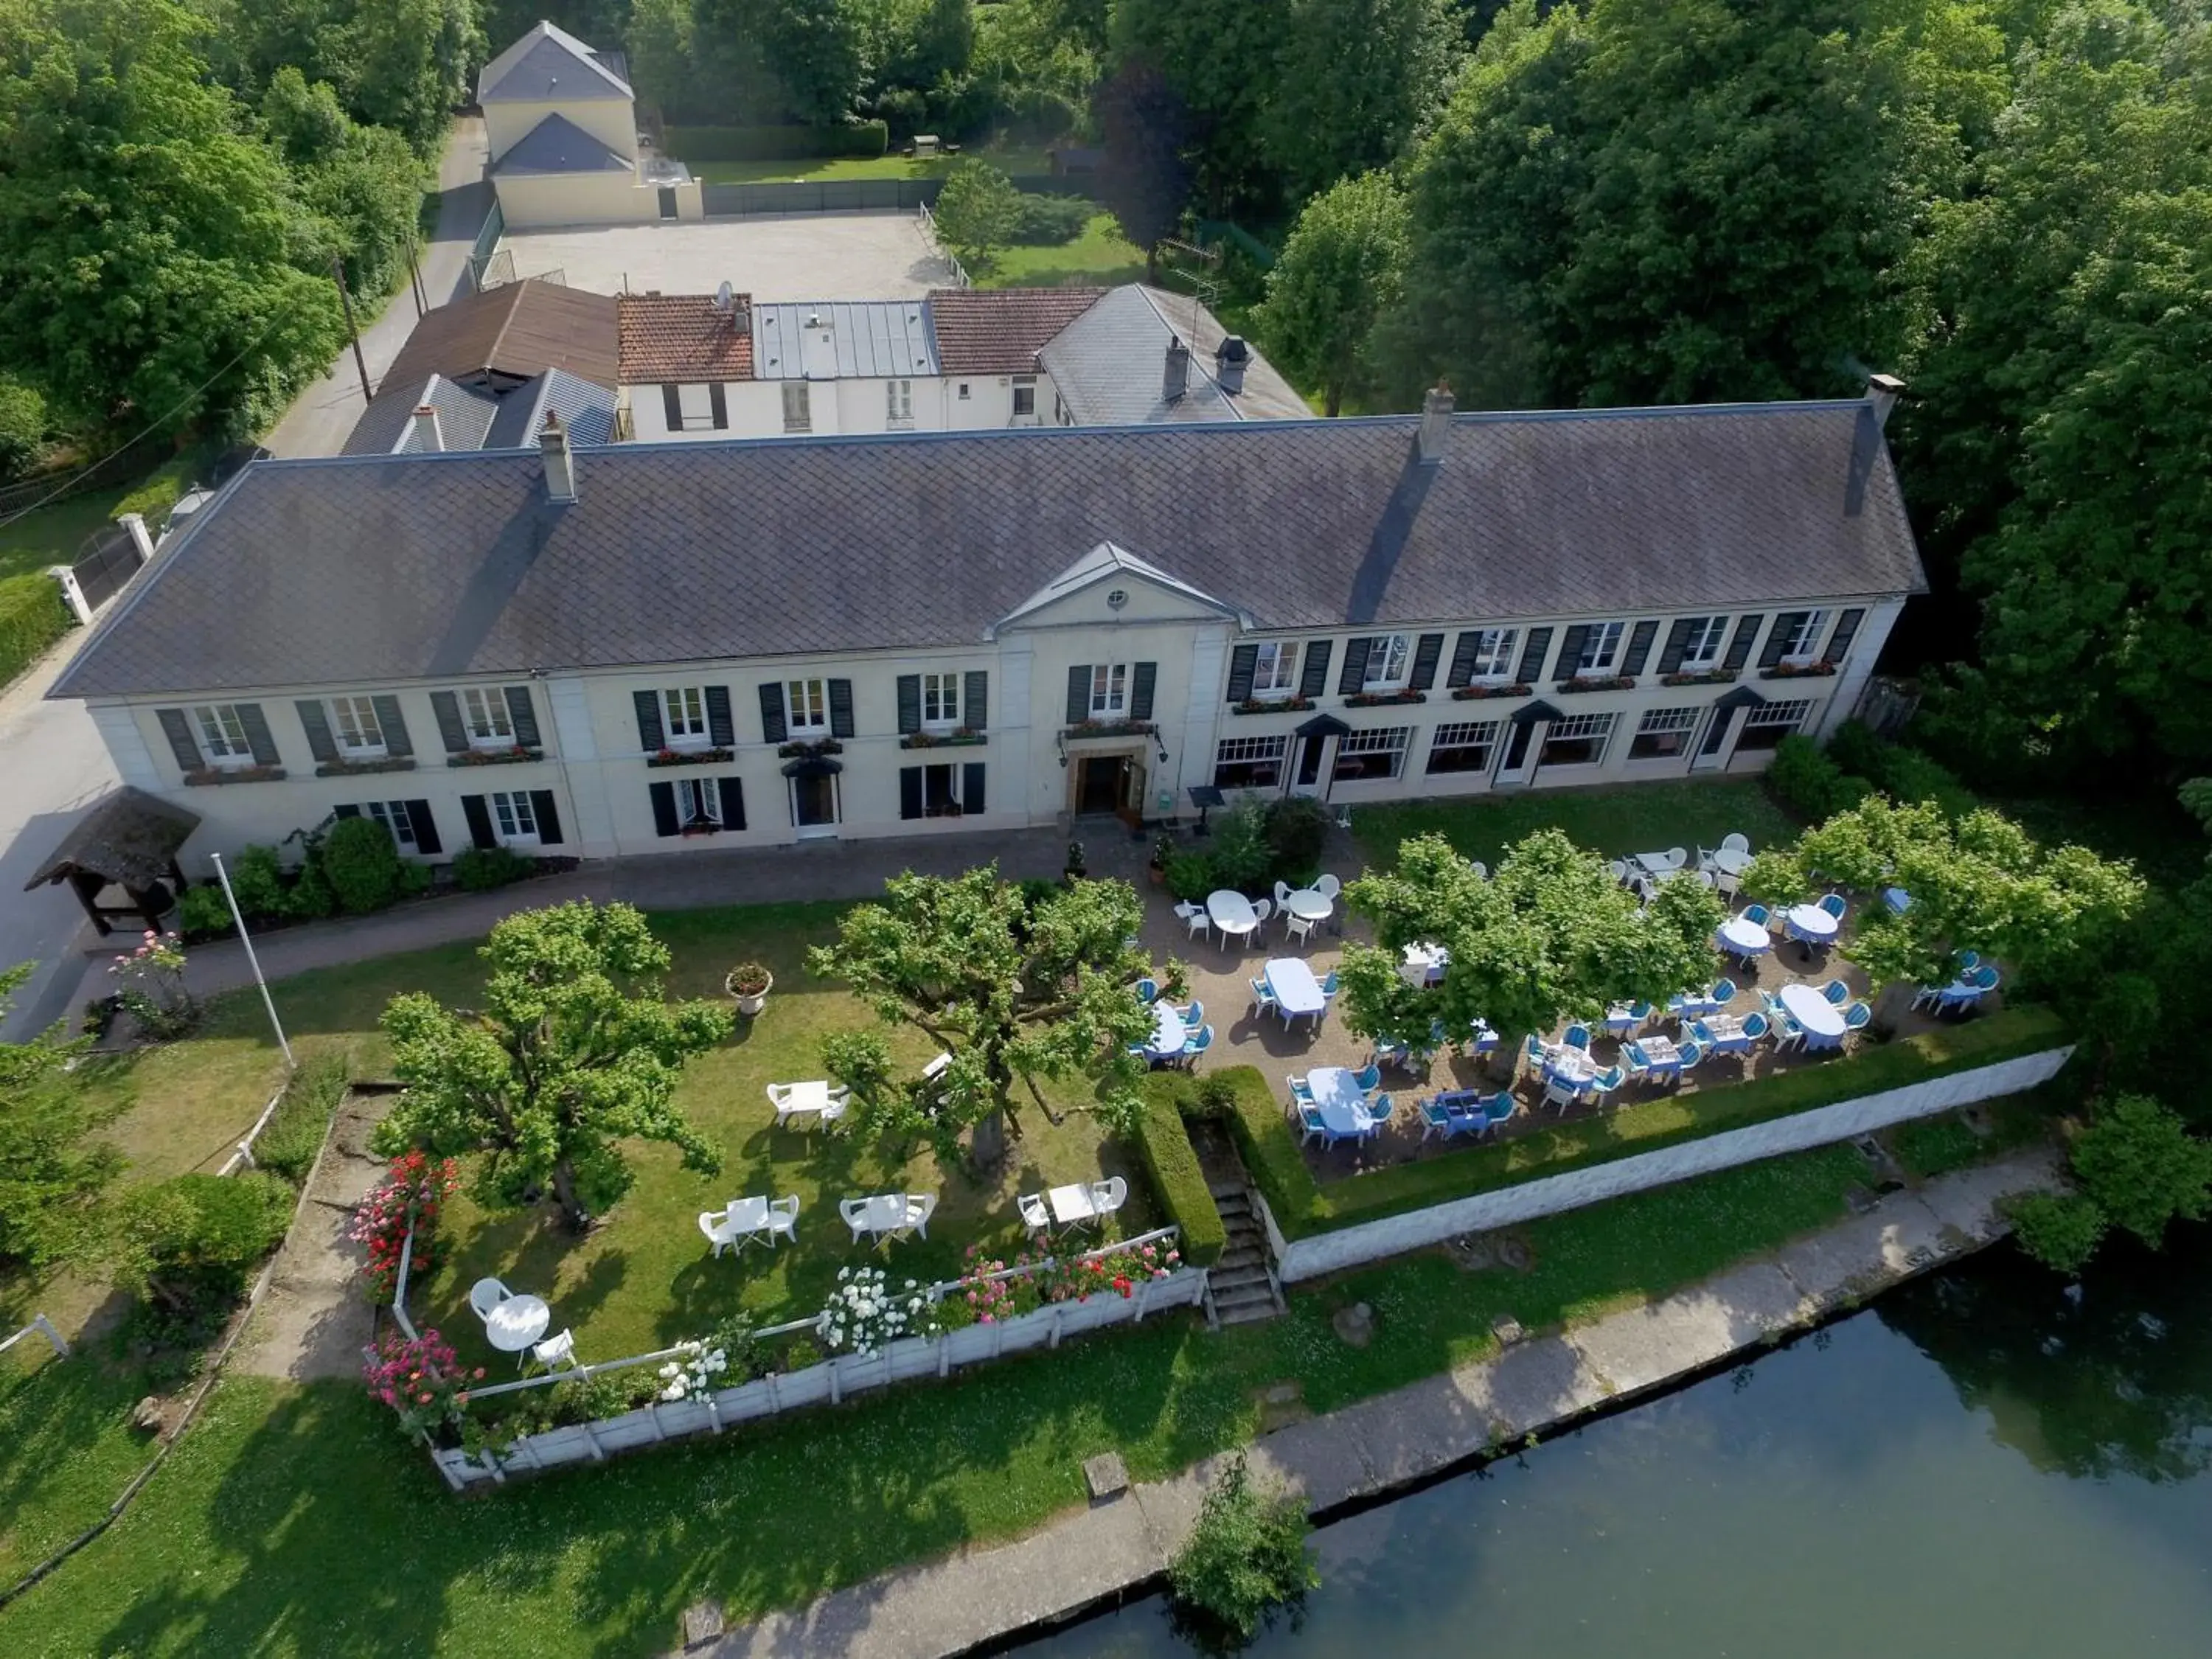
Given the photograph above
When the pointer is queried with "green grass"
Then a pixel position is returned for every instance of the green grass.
(295, 1520)
(1930, 1146)
(56, 534)
(1637, 817)
(1100, 257)
(813, 169)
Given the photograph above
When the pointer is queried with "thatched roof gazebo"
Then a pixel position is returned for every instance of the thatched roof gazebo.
(128, 840)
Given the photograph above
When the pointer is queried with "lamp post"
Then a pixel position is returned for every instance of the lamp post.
(253, 961)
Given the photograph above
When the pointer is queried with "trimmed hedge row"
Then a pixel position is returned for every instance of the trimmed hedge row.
(1172, 1163)
(866, 139)
(32, 618)
(1303, 1207)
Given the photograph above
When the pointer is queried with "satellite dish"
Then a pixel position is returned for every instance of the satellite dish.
(723, 297)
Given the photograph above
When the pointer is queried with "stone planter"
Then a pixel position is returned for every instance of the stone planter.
(751, 1004)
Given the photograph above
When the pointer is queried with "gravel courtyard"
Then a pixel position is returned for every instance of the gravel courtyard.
(859, 256)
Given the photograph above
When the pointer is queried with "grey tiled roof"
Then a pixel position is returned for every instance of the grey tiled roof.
(368, 571)
(1109, 365)
(548, 65)
(556, 144)
(386, 426)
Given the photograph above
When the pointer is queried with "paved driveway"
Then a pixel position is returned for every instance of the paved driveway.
(823, 256)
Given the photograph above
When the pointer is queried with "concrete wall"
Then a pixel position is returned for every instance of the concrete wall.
(1348, 1246)
(540, 201)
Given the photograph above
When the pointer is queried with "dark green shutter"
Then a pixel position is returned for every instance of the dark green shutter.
(1314, 680)
(451, 732)
(664, 809)
(1464, 652)
(672, 408)
(1739, 651)
(651, 736)
(910, 703)
(258, 737)
(425, 826)
(976, 700)
(1532, 652)
(1355, 667)
(548, 815)
(316, 723)
(477, 811)
(1078, 694)
(522, 714)
(1141, 681)
(1426, 652)
(972, 786)
(909, 792)
(1639, 647)
(1570, 650)
(1778, 637)
(1839, 642)
(718, 405)
(182, 743)
(773, 729)
(840, 709)
(393, 725)
(721, 728)
(1678, 644)
(734, 803)
(1243, 664)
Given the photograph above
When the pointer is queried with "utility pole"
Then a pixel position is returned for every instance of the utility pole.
(246, 939)
(337, 271)
(415, 272)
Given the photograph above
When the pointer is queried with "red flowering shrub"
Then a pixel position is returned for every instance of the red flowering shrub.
(415, 1190)
(420, 1380)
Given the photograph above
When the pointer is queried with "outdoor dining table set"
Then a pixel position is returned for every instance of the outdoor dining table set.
(1465, 1112)
(516, 1324)
(1333, 1103)
(1079, 1204)
(886, 1216)
(1288, 986)
(1179, 1034)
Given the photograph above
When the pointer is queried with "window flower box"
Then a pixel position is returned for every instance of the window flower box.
(1380, 699)
(206, 777)
(1700, 677)
(1478, 693)
(802, 750)
(689, 757)
(512, 756)
(962, 739)
(1798, 671)
(354, 768)
(1596, 683)
(1109, 729)
(1271, 706)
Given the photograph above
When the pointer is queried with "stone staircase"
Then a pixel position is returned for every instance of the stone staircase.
(1242, 1287)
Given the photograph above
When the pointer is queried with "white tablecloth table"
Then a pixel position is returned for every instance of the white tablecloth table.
(1169, 1033)
(1822, 1020)
(1424, 965)
(1572, 1067)
(1655, 863)
(1729, 861)
(1728, 1033)
(1296, 990)
(1810, 924)
(1663, 1056)
(517, 1323)
(1071, 1205)
(1341, 1100)
(1309, 905)
(884, 1213)
(1232, 913)
(1740, 936)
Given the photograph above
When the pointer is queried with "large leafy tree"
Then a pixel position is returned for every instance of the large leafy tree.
(399, 64)
(574, 1051)
(1011, 988)
(1144, 180)
(979, 209)
(778, 60)
(1351, 80)
(1546, 937)
(1342, 267)
(53, 1168)
(362, 184)
(1217, 57)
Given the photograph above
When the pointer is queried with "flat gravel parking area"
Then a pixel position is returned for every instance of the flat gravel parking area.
(859, 256)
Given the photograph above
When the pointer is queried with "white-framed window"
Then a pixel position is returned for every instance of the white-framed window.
(1663, 733)
(1701, 648)
(512, 817)
(695, 408)
(807, 703)
(223, 734)
(1493, 655)
(1249, 763)
(1024, 394)
(1463, 746)
(1110, 691)
(393, 815)
(798, 407)
(1767, 725)
(1804, 642)
(1388, 656)
(484, 712)
(1600, 653)
(684, 716)
(1380, 753)
(940, 700)
(898, 402)
(1576, 740)
(1275, 669)
(698, 804)
(354, 724)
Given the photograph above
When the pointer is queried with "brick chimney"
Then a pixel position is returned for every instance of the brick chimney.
(1883, 392)
(1175, 379)
(1435, 423)
(1230, 359)
(560, 461)
(429, 436)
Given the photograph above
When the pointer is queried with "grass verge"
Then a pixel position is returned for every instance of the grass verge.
(1100, 257)
(1637, 817)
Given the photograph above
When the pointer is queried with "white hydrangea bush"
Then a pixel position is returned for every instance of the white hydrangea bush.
(864, 1312)
(683, 1379)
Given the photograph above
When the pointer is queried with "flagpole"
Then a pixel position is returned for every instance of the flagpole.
(246, 939)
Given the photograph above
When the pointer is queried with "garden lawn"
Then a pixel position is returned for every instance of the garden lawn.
(1027, 163)
(295, 1521)
(56, 534)
(1100, 257)
(1637, 817)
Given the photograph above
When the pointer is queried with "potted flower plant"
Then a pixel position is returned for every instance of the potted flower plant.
(749, 983)
(1163, 850)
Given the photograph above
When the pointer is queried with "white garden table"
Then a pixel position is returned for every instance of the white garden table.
(1821, 1019)
(1072, 1205)
(1169, 1033)
(1424, 965)
(809, 1099)
(517, 1323)
(1573, 1066)
(1307, 905)
(1295, 989)
(1232, 913)
(1740, 936)
(1339, 1099)
(884, 1213)
(1729, 861)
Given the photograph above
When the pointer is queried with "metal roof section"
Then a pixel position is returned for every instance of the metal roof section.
(548, 65)
(844, 340)
(587, 411)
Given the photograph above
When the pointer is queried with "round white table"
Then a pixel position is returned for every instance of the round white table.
(1741, 936)
(1810, 924)
(1169, 1033)
(1823, 1021)
(1232, 913)
(517, 1323)
(1729, 861)
(1307, 905)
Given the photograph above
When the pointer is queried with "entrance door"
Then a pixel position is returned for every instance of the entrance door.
(1098, 787)
(1306, 780)
(1714, 749)
(814, 805)
(1518, 760)
(668, 203)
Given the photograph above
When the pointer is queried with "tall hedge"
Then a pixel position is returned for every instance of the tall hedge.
(32, 618)
(1172, 1162)
(866, 139)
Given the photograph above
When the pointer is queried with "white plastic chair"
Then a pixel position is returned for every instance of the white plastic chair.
(1282, 895)
(783, 1218)
(715, 1224)
(1327, 886)
(1035, 1215)
(1297, 926)
(1109, 1195)
(840, 1098)
(1676, 857)
(779, 1096)
(1260, 912)
(937, 1068)
(1196, 918)
(855, 1212)
(486, 1294)
(559, 1350)
(1726, 885)
(1734, 841)
(1481, 870)
(919, 1206)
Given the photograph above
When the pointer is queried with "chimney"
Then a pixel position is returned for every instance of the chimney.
(429, 436)
(1435, 423)
(1882, 391)
(1230, 359)
(1177, 378)
(134, 525)
(560, 462)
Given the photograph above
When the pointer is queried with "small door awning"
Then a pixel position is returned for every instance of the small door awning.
(1323, 725)
(1742, 697)
(813, 766)
(1530, 713)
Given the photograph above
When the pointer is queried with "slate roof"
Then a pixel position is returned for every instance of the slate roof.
(869, 339)
(682, 336)
(556, 144)
(513, 333)
(369, 571)
(1109, 365)
(548, 65)
(386, 427)
(588, 410)
(1000, 330)
(129, 837)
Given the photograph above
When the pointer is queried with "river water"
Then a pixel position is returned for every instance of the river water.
(1985, 1463)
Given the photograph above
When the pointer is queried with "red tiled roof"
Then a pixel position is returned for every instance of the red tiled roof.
(999, 331)
(682, 336)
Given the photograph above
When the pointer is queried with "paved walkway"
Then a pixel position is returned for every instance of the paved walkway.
(1410, 1435)
(314, 1322)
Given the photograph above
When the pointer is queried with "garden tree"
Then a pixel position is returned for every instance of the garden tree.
(145, 239)
(1030, 69)
(659, 46)
(188, 1242)
(1143, 178)
(766, 61)
(1340, 269)
(53, 1170)
(1548, 936)
(1351, 80)
(400, 65)
(1217, 57)
(921, 44)
(23, 426)
(604, 23)
(2139, 1164)
(362, 184)
(978, 210)
(574, 1051)
(1010, 987)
